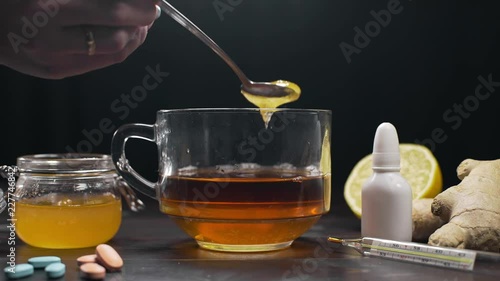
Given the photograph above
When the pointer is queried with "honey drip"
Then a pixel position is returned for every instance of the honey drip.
(267, 105)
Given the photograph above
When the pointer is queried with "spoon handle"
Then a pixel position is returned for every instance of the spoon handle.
(184, 21)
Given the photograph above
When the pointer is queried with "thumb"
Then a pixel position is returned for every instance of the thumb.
(158, 14)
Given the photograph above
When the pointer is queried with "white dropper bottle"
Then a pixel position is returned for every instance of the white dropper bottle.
(386, 198)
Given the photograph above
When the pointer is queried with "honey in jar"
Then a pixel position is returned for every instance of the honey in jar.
(65, 201)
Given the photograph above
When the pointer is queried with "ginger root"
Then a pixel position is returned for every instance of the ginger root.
(424, 222)
(471, 209)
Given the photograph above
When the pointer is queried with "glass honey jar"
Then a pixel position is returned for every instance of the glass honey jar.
(65, 201)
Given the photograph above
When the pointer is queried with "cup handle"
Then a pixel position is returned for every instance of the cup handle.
(118, 143)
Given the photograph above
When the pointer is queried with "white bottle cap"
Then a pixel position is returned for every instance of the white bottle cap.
(386, 148)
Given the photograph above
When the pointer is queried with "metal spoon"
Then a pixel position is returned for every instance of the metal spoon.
(256, 88)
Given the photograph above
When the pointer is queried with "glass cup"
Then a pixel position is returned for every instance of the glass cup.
(231, 182)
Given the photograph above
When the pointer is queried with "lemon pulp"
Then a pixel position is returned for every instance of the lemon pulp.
(418, 166)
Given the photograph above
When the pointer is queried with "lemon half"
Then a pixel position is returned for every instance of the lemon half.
(418, 166)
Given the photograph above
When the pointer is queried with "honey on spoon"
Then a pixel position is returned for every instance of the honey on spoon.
(290, 92)
(265, 95)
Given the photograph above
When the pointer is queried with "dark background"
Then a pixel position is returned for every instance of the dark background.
(426, 60)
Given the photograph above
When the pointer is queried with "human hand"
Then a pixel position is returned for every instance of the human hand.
(52, 39)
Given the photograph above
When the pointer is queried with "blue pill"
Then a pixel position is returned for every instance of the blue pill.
(19, 271)
(41, 262)
(55, 270)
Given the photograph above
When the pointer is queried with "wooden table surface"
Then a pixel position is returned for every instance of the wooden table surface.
(154, 248)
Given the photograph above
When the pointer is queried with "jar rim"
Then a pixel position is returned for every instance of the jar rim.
(75, 163)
